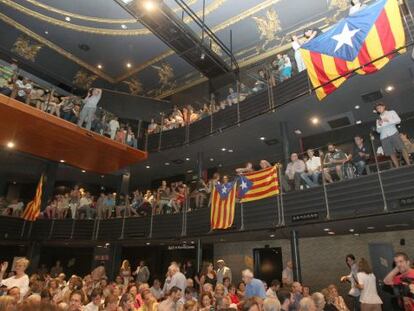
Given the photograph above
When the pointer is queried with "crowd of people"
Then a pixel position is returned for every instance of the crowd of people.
(185, 289)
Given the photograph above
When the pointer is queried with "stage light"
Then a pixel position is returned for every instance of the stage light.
(211, 159)
(272, 235)
(10, 145)
(326, 229)
(46, 32)
(203, 56)
(370, 228)
(331, 233)
(149, 5)
(351, 230)
(230, 150)
(315, 120)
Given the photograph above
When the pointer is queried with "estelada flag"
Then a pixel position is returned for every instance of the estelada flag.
(258, 185)
(356, 42)
(223, 202)
(32, 210)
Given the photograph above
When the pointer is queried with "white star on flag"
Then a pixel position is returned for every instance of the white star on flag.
(345, 37)
(224, 190)
(243, 185)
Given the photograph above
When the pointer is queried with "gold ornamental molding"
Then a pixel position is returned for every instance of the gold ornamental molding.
(99, 31)
(56, 48)
(92, 18)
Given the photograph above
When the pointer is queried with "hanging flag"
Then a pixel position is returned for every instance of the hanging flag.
(223, 203)
(258, 185)
(355, 41)
(32, 210)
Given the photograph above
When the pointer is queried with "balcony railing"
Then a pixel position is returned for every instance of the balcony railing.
(350, 198)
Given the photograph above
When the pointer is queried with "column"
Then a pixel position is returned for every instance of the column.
(285, 142)
(294, 246)
(49, 182)
(199, 255)
(200, 165)
(123, 187)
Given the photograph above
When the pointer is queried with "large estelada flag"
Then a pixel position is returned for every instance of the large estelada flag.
(32, 210)
(223, 202)
(258, 185)
(355, 42)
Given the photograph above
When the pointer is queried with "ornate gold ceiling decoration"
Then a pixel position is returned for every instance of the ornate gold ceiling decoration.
(134, 85)
(92, 18)
(83, 80)
(25, 48)
(268, 27)
(100, 31)
(166, 75)
(55, 48)
(338, 6)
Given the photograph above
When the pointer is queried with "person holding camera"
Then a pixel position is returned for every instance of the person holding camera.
(402, 278)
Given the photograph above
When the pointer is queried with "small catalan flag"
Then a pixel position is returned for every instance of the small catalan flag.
(32, 210)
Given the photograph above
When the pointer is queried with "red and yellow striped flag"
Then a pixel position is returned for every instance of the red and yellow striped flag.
(356, 41)
(259, 185)
(32, 210)
(223, 202)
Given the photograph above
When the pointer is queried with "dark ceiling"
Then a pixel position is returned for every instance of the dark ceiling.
(95, 35)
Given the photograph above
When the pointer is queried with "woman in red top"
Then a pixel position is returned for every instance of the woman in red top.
(232, 294)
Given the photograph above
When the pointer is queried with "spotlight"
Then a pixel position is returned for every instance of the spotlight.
(149, 5)
(262, 138)
(357, 107)
(123, 26)
(167, 163)
(211, 159)
(99, 66)
(10, 145)
(83, 171)
(358, 122)
(230, 150)
(187, 159)
(62, 161)
(389, 88)
(331, 233)
(148, 166)
(272, 235)
(46, 32)
(315, 120)
(298, 132)
(326, 229)
(128, 65)
(223, 149)
(67, 18)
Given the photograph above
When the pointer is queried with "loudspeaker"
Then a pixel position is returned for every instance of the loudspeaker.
(268, 264)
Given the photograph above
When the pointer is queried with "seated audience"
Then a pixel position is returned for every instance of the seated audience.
(313, 169)
(360, 155)
(293, 172)
(334, 162)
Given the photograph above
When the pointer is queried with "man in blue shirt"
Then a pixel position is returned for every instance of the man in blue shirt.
(254, 287)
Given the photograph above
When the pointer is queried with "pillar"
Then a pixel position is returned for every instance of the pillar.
(199, 254)
(123, 187)
(294, 246)
(285, 141)
(200, 165)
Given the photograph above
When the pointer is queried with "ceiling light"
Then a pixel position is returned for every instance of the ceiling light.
(14, 182)
(187, 159)
(102, 176)
(211, 159)
(298, 132)
(100, 66)
(358, 122)
(126, 1)
(10, 144)
(149, 5)
(67, 18)
(46, 32)
(123, 26)
(326, 229)
(370, 228)
(192, 242)
(148, 166)
(356, 234)
(189, 171)
(389, 88)
(148, 243)
(223, 149)
(262, 138)
(331, 232)
(202, 56)
(351, 230)
(356, 107)
(230, 150)
(167, 163)
(220, 165)
(62, 161)
(315, 120)
(128, 65)
(83, 171)
(272, 235)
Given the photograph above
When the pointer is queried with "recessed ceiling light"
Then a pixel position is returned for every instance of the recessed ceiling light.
(187, 159)
(189, 171)
(167, 163)
(297, 132)
(148, 166)
(192, 242)
(149, 5)
(123, 26)
(62, 161)
(331, 232)
(83, 171)
(370, 228)
(46, 32)
(10, 144)
(326, 229)
(223, 149)
(126, 1)
(230, 150)
(315, 120)
(128, 65)
(262, 138)
(211, 159)
(357, 107)
(102, 176)
(272, 235)
(220, 165)
(351, 230)
(148, 243)
(389, 88)
(358, 122)
(356, 234)
(99, 66)
(67, 18)
(14, 182)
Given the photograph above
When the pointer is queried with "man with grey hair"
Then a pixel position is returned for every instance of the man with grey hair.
(223, 271)
(254, 287)
(177, 278)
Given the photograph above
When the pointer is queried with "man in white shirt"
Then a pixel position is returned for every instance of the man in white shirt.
(23, 88)
(287, 274)
(177, 278)
(223, 271)
(87, 113)
(20, 279)
(273, 289)
(113, 127)
(156, 290)
(95, 301)
(390, 137)
(293, 171)
(313, 170)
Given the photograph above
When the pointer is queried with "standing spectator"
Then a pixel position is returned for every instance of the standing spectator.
(254, 287)
(287, 274)
(294, 171)
(313, 169)
(113, 127)
(87, 113)
(131, 139)
(286, 72)
(273, 289)
(100, 206)
(334, 161)
(142, 273)
(125, 272)
(360, 155)
(22, 91)
(121, 135)
(152, 127)
(390, 139)
(298, 57)
(208, 275)
(223, 271)
(370, 301)
(395, 278)
(19, 280)
(354, 292)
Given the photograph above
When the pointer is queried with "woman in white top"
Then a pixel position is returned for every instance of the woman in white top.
(367, 283)
(20, 279)
(298, 57)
